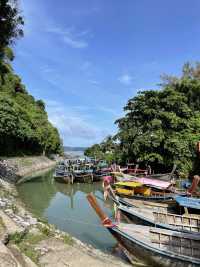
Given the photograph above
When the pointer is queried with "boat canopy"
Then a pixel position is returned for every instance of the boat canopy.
(129, 184)
(188, 202)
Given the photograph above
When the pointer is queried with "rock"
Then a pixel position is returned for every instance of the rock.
(6, 257)
(34, 231)
(9, 211)
(25, 224)
(33, 221)
(2, 204)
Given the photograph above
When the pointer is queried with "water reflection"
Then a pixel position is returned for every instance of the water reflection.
(66, 206)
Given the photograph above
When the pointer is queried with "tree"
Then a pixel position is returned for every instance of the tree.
(107, 150)
(10, 24)
(161, 127)
(24, 125)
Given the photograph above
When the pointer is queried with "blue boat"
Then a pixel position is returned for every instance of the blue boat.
(188, 202)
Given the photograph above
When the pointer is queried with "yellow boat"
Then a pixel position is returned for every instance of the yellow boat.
(131, 189)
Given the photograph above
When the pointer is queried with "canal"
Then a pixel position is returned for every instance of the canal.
(67, 208)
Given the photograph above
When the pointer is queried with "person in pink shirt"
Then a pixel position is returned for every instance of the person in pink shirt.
(107, 180)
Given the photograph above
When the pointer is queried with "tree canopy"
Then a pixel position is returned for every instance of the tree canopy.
(162, 127)
(10, 23)
(24, 125)
(107, 150)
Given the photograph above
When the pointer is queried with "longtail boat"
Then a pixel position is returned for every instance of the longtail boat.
(98, 174)
(64, 178)
(137, 190)
(83, 176)
(154, 183)
(161, 206)
(62, 175)
(188, 203)
(154, 217)
(153, 246)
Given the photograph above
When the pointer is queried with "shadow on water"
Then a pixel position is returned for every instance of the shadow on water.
(66, 207)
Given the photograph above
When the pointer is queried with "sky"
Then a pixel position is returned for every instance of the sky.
(86, 58)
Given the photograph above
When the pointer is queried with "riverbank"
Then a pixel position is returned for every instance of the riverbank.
(29, 241)
(16, 169)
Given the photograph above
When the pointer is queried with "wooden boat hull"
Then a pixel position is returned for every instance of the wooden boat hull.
(98, 177)
(163, 177)
(164, 198)
(153, 246)
(139, 218)
(165, 207)
(63, 179)
(149, 255)
(85, 178)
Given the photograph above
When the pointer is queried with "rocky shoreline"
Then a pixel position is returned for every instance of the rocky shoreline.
(15, 170)
(29, 241)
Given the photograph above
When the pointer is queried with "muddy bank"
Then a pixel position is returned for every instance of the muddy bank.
(14, 170)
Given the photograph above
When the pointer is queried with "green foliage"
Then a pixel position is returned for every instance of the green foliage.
(107, 150)
(17, 237)
(45, 230)
(10, 23)
(94, 151)
(30, 252)
(24, 125)
(68, 239)
(26, 243)
(160, 127)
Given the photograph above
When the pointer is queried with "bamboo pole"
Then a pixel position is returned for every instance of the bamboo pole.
(104, 218)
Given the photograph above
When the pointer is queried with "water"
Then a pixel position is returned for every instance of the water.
(74, 153)
(66, 207)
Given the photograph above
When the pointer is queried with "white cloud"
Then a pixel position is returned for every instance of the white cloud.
(73, 125)
(70, 36)
(126, 79)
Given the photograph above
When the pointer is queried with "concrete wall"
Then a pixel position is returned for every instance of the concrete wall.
(13, 170)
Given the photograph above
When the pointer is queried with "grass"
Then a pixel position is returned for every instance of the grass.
(30, 252)
(17, 237)
(26, 243)
(68, 239)
(45, 230)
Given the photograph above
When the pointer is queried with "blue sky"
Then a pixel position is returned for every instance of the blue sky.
(86, 58)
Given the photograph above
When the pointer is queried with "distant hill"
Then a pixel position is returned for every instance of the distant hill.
(71, 148)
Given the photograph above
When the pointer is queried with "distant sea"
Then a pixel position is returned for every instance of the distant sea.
(74, 151)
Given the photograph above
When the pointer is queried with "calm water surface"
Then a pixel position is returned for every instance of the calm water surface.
(66, 207)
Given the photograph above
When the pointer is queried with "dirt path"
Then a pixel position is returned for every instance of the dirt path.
(62, 255)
